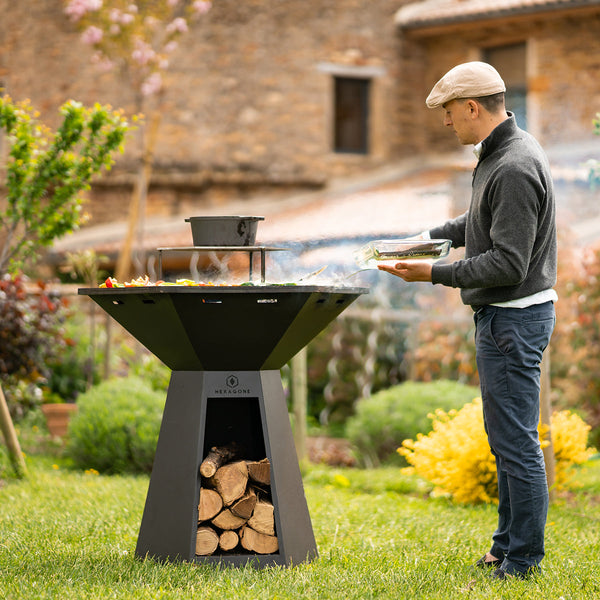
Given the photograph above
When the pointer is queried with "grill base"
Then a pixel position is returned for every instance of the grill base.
(207, 408)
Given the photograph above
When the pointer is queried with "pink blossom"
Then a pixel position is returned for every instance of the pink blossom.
(92, 35)
(114, 14)
(76, 9)
(133, 9)
(173, 2)
(102, 62)
(143, 53)
(201, 7)
(151, 22)
(152, 84)
(127, 19)
(177, 25)
(171, 46)
(114, 29)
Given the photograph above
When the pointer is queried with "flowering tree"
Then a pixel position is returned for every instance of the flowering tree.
(136, 39)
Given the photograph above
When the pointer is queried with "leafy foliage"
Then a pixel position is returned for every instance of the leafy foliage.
(456, 457)
(383, 421)
(116, 427)
(46, 172)
(30, 337)
(444, 350)
(576, 341)
(594, 165)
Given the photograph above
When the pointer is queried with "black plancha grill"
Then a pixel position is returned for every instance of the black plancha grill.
(225, 346)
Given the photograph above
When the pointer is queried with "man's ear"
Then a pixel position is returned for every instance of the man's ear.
(473, 108)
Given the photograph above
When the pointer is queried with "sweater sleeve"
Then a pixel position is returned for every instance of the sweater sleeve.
(500, 250)
(453, 230)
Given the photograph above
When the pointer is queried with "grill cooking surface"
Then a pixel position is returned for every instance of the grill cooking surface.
(224, 327)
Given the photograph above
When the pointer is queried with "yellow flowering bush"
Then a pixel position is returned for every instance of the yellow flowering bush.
(569, 438)
(456, 458)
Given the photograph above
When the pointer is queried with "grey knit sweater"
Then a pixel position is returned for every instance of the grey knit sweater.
(509, 231)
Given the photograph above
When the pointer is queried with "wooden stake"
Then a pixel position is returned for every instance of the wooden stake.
(11, 439)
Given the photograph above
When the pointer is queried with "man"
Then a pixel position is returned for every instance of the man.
(506, 276)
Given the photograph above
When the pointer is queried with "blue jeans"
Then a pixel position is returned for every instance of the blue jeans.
(509, 344)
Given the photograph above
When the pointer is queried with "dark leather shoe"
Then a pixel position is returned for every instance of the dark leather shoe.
(483, 564)
(502, 574)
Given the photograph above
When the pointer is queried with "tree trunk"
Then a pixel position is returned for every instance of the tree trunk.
(300, 401)
(545, 417)
(11, 439)
(138, 201)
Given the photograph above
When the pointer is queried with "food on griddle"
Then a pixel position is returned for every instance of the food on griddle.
(145, 281)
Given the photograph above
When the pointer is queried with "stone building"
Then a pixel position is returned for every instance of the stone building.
(266, 99)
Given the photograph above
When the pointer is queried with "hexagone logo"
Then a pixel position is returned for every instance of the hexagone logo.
(232, 387)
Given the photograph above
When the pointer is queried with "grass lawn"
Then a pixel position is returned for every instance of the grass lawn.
(67, 534)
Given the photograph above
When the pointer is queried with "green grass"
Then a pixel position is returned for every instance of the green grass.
(65, 534)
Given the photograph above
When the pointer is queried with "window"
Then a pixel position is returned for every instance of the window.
(510, 62)
(351, 115)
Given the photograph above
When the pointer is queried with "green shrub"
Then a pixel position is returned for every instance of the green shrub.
(116, 427)
(383, 421)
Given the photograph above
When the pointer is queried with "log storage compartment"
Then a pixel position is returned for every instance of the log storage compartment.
(225, 401)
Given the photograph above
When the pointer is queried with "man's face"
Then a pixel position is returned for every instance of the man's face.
(459, 115)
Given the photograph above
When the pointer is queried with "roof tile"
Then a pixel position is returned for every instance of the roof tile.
(440, 12)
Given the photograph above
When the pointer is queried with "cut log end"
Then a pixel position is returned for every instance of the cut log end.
(260, 471)
(207, 541)
(228, 540)
(230, 481)
(210, 504)
(253, 541)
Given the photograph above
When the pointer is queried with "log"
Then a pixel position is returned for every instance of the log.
(263, 520)
(210, 504)
(245, 505)
(218, 456)
(230, 481)
(207, 541)
(253, 541)
(227, 520)
(260, 471)
(228, 540)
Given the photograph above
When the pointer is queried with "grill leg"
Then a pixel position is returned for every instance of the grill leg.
(169, 522)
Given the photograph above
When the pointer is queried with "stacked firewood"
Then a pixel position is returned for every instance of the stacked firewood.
(235, 507)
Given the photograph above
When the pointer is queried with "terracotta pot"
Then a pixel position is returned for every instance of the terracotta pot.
(57, 417)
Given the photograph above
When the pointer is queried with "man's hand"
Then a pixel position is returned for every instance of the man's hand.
(418, 270)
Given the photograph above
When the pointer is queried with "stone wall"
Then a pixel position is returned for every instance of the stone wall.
(249, 103)
(563, 72)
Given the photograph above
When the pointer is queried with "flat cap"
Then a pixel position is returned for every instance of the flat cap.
(468, 80)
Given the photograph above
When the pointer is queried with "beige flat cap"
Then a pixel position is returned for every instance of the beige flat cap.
(468, 80)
